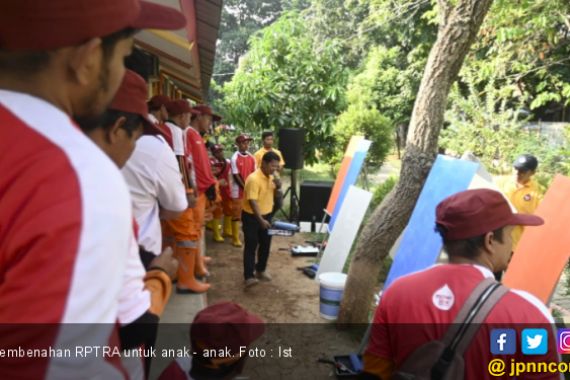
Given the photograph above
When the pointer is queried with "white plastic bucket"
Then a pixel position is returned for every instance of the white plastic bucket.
(331, 291)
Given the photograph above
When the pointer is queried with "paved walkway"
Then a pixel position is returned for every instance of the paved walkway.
(174, 328)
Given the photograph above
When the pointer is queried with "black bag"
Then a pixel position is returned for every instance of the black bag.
(443, 359)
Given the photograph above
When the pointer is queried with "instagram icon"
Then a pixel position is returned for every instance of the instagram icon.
(563, 341)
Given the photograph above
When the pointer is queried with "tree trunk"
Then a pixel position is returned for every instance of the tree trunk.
(458, 28)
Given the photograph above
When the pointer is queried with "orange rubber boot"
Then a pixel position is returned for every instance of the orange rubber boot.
(200, 269)
(187, 283)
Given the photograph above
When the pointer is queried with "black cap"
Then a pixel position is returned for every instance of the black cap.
(526, 162)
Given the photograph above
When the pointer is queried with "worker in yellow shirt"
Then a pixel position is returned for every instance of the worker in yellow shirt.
(524, 193)
(267, 140)
(261, 189)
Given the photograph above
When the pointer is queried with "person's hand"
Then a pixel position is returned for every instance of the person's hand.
(277, 183)
(191, 200)
(265, 224)
(211, 193)
(166, 262)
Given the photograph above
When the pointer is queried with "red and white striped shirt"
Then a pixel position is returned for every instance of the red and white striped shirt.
(65, 229)
(244, 165)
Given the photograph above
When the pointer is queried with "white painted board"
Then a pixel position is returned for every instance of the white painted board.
(346, 227)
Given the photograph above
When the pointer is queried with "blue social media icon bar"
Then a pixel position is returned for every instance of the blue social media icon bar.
(503, 341)
(534, 341)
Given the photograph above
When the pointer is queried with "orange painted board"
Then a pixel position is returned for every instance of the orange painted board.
(543, 251)
(341, 176)
(344, 166)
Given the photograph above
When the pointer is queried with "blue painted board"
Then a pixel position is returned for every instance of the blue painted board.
(421, 245)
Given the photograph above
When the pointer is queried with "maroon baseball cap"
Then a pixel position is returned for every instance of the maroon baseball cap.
(158, 101)
(52, 24)
(243, 137)
(178, 107)
(225, 324)
(473, 213)
(131, 96)
(203, 109)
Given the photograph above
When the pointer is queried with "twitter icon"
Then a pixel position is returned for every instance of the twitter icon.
(534, 341)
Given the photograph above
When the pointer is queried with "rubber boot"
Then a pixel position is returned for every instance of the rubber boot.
(187, 283)
(217, 231)
(200, 269)
(210, 225)
(235, 234)
(174, 256)
(228, 226)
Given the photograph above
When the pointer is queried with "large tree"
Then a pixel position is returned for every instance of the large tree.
(460, 21)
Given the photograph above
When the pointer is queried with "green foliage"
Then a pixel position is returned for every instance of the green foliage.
(340, 20)
(386, 84)
(240, 19)
(380, 97)
(317, 172)
(385, 269)
(287, 80)
(483, 124)
(342, 67)
(360, 120)
(382, 190)
(518, 66)
(397, 38)
(565, 153)
(486, 120)
(524, 46)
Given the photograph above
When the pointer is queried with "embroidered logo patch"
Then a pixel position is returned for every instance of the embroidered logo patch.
(443, 298)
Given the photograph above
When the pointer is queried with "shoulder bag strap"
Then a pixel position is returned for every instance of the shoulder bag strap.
(459, 335)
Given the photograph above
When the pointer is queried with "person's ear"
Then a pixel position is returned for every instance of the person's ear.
(489, 241)
(85, 61)
(115, 132)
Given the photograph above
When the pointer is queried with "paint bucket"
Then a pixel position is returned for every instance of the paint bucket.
(332, 289)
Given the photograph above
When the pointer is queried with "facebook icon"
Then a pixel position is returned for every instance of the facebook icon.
(503, 341)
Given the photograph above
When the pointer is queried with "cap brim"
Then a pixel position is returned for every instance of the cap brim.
(526, 220)
(155, 16)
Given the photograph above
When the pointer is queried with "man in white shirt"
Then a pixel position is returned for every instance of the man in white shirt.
(65, 219)
(156, 187)
(146, 289)
(158, 114)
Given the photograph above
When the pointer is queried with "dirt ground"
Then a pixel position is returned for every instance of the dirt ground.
(289, 304)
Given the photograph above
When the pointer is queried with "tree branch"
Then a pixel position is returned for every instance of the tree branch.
(444, 10)
(519, 76)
